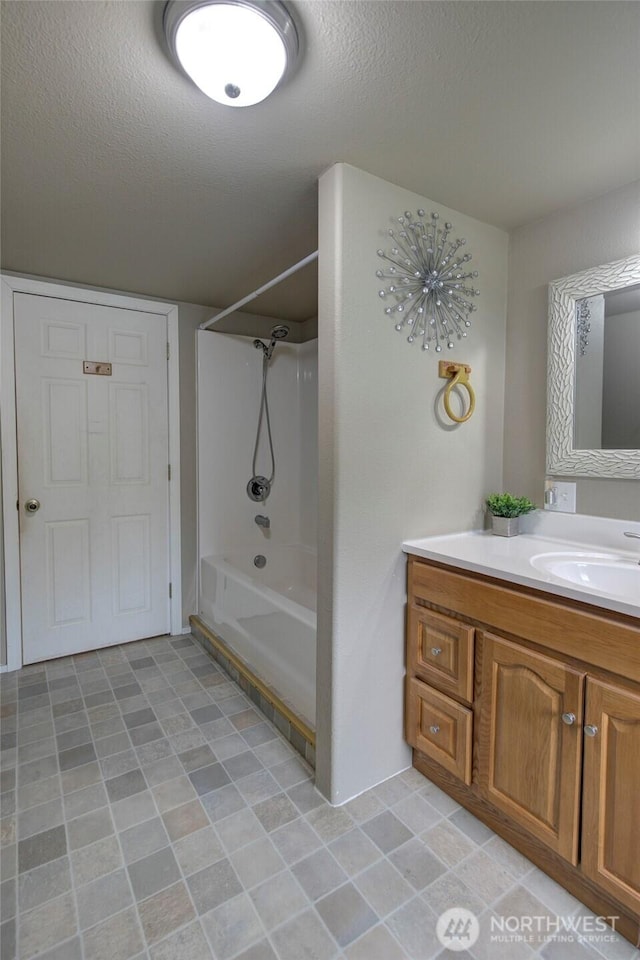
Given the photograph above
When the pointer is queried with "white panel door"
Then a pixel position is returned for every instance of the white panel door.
(93, 452)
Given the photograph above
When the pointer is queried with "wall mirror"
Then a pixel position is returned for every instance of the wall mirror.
(593, 372)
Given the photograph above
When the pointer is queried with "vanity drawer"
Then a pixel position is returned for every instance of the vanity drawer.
(440, 651)
(440, 728)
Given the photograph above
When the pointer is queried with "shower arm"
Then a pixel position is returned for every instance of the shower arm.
(256, 293)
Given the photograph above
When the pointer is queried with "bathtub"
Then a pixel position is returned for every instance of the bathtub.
(268, 617)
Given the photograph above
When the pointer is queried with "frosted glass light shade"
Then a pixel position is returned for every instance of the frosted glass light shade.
(235, 51)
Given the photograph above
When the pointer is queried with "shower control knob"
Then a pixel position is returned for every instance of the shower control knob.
(258, 489)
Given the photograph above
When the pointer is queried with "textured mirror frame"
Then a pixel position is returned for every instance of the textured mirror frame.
(562, 457)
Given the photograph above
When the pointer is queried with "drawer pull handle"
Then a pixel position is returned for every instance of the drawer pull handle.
(590, 729)
(569, 719)
(436, 651)
(434, 728)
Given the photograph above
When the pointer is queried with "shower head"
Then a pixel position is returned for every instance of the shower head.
(279, 332)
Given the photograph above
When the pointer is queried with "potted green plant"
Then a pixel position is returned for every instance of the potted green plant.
(506, 510)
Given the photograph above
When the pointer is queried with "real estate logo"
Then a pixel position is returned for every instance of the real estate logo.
(457, 929)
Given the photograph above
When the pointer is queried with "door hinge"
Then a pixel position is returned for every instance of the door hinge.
(169, 471)
(168, 350)
(170, 591)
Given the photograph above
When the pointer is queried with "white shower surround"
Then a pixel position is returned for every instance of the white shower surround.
(229, 385)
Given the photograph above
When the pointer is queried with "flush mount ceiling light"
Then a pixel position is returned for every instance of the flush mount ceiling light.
(236, 51)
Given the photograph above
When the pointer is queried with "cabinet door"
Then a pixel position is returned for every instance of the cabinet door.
(611, 812)
(528, 753)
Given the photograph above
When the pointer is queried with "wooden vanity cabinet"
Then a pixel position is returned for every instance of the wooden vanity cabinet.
(529, 716)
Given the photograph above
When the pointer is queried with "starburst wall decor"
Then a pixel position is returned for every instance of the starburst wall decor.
(428, 281)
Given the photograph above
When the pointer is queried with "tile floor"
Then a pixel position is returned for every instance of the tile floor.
(148, 812)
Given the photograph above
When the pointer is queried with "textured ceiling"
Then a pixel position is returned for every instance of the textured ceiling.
(118, 172)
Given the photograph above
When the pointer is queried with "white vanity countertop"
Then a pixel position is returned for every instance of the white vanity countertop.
(509, 558)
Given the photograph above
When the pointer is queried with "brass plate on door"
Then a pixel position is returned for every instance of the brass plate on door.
(98, 369)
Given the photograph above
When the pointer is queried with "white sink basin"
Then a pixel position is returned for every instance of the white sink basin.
(604, 572)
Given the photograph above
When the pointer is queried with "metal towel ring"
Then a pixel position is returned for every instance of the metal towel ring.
(458, 376)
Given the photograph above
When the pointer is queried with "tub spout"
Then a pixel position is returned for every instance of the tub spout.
(263, 521)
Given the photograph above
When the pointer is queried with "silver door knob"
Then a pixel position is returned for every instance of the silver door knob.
(32, 506)
(434, 728)
(569, 718)
(436, 651)
(590, 729)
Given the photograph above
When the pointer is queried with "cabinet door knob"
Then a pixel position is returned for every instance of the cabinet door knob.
(434, 728)
(590, 729)
(436, 651)
(569, 718)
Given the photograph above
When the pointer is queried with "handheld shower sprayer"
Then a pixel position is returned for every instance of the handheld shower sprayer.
(259, 487)
(277, 333)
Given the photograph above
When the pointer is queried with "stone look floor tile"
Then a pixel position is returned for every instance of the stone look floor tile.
(346, 914)
(354, 851)
(41, 848)
(377, 944)
(304, 936)
(232, 926)
(384, 887)
(240, 829)
(198, 850)
(259, 951)
(259, 867)
(255, 862)
(213, 885)
(414, 926)
(275, 812)
(118, 938)
(89, 828)
(96, 860)
(484, 875)
(416, 863)
(386, 831)
(125, 785)
(153, 873)
(448, 843)
(164, 912)
(43, 817)
(319, 874)
(143, 839)
(184, 820)
(277, 899)
(43, 883)
(103, 897)
(189, 943)
(43, 927)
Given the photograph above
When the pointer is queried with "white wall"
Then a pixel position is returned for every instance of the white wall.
(390, 468)
(596, 232)
(229, 387)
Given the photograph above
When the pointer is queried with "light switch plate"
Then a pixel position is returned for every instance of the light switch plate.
(560, 496)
